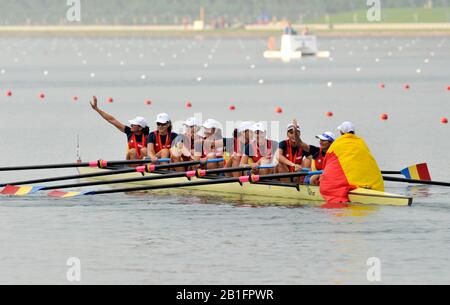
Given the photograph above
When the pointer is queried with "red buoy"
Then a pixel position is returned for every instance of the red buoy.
(329, 114)
(232, 107)
(9, 93)
(75, 98)
(278, 110)
(448, 88)
(148, 102)
(444, 121)
(42, 96)
(110, 100)
(382, 86)
(384, 117)
(407, 87)
(188, 104)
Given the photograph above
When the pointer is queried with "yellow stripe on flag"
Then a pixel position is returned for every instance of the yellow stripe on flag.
(24, 190)
(414, 173)
(71, 194)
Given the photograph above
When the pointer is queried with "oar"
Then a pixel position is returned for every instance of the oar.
(241, 180)
(416, 171)
(27, 190)
(148, 168)
(98, 163)
(396, 179)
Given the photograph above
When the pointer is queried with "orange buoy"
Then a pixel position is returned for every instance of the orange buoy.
(329, 114)
(444, 121)
(232, 107)
(271, 43)
(384, 117)
(75, 98)
(9, 93)
(148, 102)
(110, 100)
(188, 104)
(278, 110)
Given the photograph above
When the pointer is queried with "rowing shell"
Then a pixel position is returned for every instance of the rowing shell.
(281, 193)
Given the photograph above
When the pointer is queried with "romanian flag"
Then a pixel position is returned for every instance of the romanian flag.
(20, 190)
(417, 172)
(348, 165)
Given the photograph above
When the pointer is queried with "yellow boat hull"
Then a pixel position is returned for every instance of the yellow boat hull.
(279, 194)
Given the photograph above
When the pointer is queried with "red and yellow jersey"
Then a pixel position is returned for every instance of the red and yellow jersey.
(348, 165)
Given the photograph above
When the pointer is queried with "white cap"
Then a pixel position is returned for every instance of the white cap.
(346, 127)
(327, 136)
(211, 123)
(258, 127)
(244, 126)
(291, 126)
(191, 122)
(162, 118)
(140, 121)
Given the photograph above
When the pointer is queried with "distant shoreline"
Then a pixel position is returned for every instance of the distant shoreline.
(348, 30)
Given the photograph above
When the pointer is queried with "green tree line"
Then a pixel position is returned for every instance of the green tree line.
(176, 11)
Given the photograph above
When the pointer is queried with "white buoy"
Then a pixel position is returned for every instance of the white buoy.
(206, 66)
(303, 68)
(330, 84)
(261, 81)
(3, 71)
(163, 64)
(141, 55)
(252, 67)
(144, 77)
(377, 60)
(84, 62)
(418, 71)
(45, 72)
(16, 60)
(199, 79)
(92, 75)
(426, 60)
(358, 69)
(174, 56)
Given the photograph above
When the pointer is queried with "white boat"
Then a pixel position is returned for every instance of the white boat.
(295, 47)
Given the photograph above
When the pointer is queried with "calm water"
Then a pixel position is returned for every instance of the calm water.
(194, 240)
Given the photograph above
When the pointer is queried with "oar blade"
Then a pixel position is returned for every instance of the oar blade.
(62, 194)
(417, 172)
(13, 190)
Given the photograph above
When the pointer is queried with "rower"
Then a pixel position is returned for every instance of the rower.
(213, 143)
(348, 165)
(241, 147)
(188, 146)
(160, 140)
(137, 132)
(318, 154)
(291, 156)
(261, 150)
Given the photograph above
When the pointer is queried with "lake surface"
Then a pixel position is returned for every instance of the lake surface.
(180, 239)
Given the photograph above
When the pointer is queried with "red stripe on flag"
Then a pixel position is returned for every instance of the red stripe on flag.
(10, 190)
(57, 193)
(422, 170)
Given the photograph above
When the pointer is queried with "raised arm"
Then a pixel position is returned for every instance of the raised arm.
(109, 118)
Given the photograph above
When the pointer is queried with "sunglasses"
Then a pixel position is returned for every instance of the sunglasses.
(161, 124)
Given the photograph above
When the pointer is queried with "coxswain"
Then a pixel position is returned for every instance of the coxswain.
(160, 140)
(137, 133)
(348, 165)
(291, 156)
